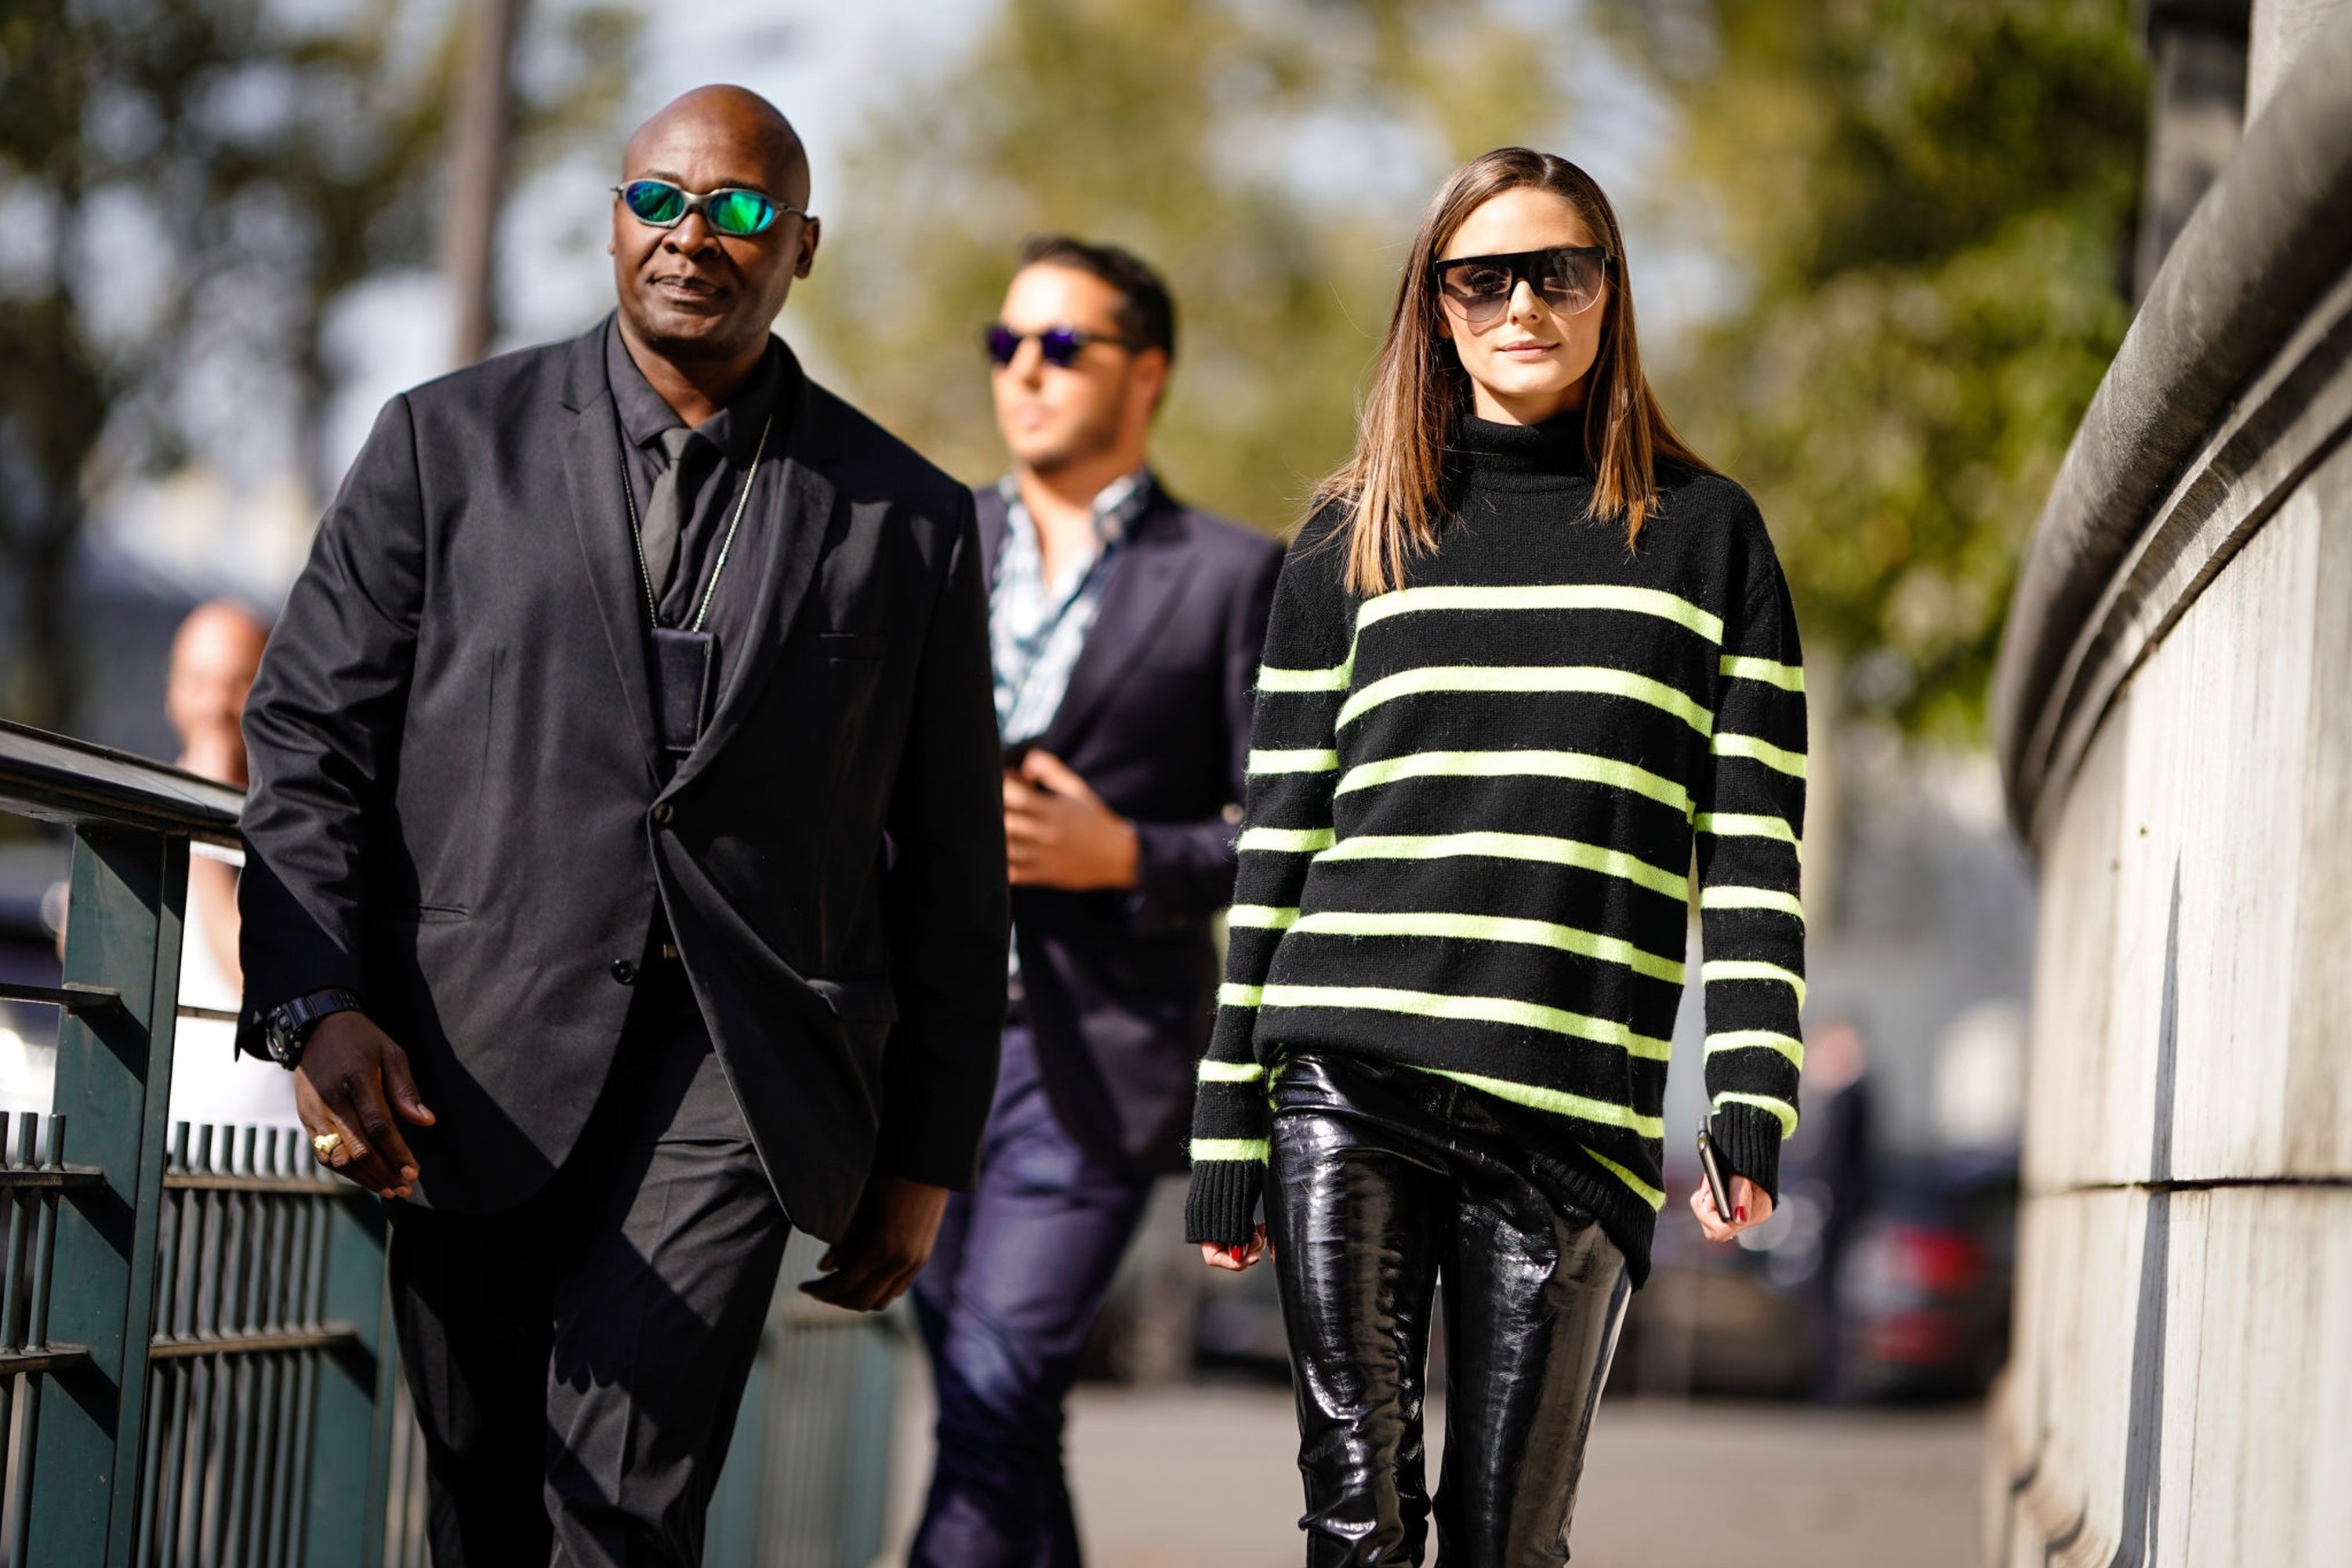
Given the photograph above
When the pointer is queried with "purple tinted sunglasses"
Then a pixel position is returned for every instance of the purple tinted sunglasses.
(1059, 345)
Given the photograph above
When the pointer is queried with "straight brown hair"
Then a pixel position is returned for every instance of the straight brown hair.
(1396, 479)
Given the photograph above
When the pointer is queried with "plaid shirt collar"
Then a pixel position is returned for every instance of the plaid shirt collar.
(1037, 629)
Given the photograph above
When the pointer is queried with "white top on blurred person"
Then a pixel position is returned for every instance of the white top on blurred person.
(1531, 361)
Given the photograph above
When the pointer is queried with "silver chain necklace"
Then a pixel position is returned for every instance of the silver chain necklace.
(637, 536)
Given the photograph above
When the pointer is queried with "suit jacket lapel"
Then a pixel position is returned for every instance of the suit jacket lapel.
(1147, 577)
(784, 553)
(988, 512)
(592, 469)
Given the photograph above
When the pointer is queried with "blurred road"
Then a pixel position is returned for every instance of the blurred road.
(1191, 1478)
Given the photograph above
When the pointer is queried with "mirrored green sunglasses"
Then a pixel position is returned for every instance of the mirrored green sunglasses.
(731, 209)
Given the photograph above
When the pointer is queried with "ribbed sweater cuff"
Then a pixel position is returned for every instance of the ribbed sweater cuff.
(1222, 1206)
(1749, 1139)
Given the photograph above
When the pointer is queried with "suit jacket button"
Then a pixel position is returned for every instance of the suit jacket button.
(624, 972)
(662, 812)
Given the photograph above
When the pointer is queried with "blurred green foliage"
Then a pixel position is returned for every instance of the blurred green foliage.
(189, 182)
(1920, 209)
(1200, 135)
(1927, 206)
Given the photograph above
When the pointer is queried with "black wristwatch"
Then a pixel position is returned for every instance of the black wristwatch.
(284, 1030)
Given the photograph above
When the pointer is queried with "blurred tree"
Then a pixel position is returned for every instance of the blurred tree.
(1270, 158)
(1925, 206)
(185, 183)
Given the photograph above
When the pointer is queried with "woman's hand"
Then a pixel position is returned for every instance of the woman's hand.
(1750, 1206)
(1234, 1258)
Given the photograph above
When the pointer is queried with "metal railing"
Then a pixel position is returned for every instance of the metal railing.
(193, 1333)
(196, 1362)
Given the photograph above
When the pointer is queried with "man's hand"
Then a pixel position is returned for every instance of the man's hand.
(1059, 833)
(1751, 1205)
(889, 1241)
(1234, 1258)
(352, 1081)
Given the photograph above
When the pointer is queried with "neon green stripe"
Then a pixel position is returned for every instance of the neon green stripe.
(1229, 994)
(1787, 677)
(1473, 1009)
(1779, 1108)
(1332, 679)
(1229, 1072)
(1493, 928)
(1518, 765)
(1594, 678)
(1642, 1189)
(1262, 917)
(1751, 968)
(1287, 840)
(1293, 762)
(1543, 596)
(1750, 899)
(1511, 846)
(1733, 825)
(1609, 1113)
(1765, 752)
(1206, 1151)
(1788, 1045)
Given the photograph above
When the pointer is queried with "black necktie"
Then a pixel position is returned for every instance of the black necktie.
(666, 511)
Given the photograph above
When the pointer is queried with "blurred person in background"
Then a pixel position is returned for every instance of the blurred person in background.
(1125, 628)
(1827, 1162)
(1528, 656)
(626, 873)
(215, 656)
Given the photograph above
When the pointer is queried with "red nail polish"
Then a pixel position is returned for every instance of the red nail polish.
(1741, 1214)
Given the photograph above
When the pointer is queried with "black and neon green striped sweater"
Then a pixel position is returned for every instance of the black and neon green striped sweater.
(1475, 807)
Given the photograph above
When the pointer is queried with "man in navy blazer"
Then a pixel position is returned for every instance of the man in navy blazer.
(1126, 630)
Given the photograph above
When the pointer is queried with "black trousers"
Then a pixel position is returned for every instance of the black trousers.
(1387, 1183)
(577, 1363)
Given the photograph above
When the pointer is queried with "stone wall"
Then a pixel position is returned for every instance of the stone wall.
(2174, 714)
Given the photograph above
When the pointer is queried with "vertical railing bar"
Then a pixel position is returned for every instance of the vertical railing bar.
(20, 1287)
(249, 1315)
(270, 1447)
(282, 1553)
(169, 1436)
(238, 1234)
(171, 1485)
(18, 1212)
(45, 1248)
(254, 1531)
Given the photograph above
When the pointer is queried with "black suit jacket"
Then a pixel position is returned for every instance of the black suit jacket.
(456, 809)
(1120, 987)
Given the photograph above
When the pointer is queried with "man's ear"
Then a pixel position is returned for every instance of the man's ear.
(811, 232)
(1151, 368)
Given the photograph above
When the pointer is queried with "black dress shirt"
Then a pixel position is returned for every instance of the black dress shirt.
(734, 431)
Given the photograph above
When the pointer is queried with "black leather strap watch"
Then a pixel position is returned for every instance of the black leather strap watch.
(284, 1030)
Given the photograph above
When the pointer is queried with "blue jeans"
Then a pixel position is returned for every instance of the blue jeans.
(1020, 1271)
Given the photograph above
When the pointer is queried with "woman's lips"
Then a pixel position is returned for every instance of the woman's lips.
(1527, 350)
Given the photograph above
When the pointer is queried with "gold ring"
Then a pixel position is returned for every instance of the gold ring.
(326, 1144)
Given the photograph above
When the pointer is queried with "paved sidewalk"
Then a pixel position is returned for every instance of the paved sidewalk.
(1206, 1477)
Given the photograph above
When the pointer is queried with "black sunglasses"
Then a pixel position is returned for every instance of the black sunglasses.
(731, 209)
(1059, 345)
(1568, 276)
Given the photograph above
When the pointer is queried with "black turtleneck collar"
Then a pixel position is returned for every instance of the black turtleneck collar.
(1490, 456)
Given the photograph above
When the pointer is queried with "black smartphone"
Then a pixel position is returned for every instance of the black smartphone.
(1712, 1163)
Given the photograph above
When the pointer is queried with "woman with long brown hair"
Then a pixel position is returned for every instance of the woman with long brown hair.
(1529, 659)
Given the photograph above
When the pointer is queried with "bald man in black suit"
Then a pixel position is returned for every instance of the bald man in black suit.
(626, 872)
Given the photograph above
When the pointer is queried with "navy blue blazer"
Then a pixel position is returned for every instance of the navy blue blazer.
(1120, 987)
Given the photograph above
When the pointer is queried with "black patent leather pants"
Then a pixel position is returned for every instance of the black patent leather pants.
(1385, 1183)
